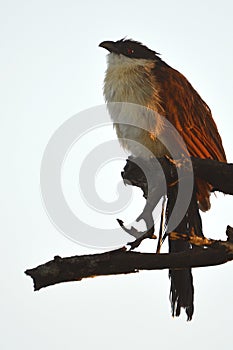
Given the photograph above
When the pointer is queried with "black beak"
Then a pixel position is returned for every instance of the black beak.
(109, 45)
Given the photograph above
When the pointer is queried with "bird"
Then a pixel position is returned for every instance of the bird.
(137, 75)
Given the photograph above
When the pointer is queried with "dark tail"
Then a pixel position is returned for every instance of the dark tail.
(182, 290)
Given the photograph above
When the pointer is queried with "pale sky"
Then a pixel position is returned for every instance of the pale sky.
(52, 69)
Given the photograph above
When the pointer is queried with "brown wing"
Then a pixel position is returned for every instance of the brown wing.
(191, 116)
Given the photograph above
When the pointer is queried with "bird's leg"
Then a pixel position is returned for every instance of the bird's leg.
(138, 241)
(140, 236)
(153, 198)
(153, 188)
(162, 225)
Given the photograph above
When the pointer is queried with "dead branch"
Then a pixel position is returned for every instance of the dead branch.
(121, 261)
(218, 174)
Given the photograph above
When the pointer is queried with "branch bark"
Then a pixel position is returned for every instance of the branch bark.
(218, 174)
(121, 261)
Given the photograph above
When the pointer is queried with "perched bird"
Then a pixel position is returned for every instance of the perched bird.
(137, 75)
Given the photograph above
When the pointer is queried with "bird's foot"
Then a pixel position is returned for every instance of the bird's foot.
(148, 234)
(140, 236)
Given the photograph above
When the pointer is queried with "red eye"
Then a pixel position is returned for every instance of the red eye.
(130, 51)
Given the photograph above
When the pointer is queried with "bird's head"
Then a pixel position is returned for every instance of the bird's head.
(129, 48)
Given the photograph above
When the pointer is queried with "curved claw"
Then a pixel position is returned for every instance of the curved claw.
(131, 231)
(140, 236)
(148, 234)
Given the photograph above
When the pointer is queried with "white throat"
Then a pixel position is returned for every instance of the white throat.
(130, 80)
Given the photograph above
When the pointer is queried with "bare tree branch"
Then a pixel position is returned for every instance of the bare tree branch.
(121, 261)
(218, 174)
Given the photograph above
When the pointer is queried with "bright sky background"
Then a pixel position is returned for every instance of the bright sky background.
(51, 69)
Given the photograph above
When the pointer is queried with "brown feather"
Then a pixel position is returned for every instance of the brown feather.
(191, 116)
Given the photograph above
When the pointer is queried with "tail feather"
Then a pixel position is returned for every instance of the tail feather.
(182, 289)
(182, 292)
